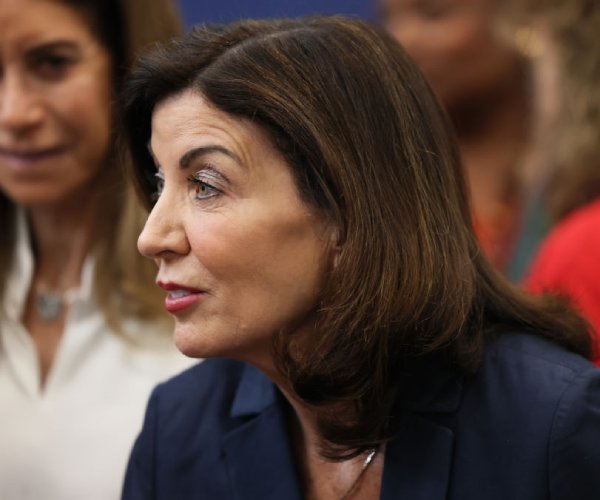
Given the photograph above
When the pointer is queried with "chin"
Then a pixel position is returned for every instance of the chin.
(38, 196)
(193, 345)
(190, 350)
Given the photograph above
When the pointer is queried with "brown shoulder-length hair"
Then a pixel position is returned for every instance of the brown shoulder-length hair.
(125, 28)
(370, 150)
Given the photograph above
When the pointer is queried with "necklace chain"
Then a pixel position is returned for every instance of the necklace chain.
(368, 460)
(49, 304)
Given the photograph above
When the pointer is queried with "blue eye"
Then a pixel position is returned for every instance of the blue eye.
(203, 189)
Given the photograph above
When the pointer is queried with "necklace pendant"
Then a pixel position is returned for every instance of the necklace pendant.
(48, 305)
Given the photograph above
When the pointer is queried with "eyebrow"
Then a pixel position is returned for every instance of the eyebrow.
(192, 154)
(54, 45)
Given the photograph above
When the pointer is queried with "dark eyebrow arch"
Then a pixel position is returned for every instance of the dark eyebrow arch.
(54, 45)
(192, 154)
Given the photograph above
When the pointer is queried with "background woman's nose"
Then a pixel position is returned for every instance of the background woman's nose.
(21, 107)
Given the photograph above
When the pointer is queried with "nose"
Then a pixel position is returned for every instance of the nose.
(21, 108)
(163, 236)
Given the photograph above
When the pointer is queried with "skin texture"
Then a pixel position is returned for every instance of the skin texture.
(55, 95)
(230, 225)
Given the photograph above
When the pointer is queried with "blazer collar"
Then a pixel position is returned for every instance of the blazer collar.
(417, 465)
(255, 392)
(258, 452)
(430, 387)
(418, 460)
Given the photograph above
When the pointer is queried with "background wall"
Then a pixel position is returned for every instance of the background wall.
(197, 11)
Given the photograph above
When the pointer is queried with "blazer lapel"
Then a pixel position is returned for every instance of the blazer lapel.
(418, 461)
(257, 453)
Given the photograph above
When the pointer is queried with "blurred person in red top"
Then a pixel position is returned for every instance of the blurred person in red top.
(482, 80)
(567, 162)
(568, 263)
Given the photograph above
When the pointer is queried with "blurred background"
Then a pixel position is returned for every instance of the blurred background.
(229, 10)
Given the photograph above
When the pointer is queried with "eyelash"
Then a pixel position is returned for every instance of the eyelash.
(200, 184)
(194, 180)
(53, 66)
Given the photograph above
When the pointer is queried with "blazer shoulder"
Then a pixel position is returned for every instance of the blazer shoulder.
(532, 410)
(535, 355)
(525, 378)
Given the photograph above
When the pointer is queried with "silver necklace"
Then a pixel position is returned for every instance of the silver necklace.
(50, 304)
(368, 460)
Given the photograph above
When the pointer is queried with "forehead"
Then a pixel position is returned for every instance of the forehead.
(32, 22)
(187, 120)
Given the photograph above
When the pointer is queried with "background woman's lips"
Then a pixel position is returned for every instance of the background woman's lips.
(21, 160)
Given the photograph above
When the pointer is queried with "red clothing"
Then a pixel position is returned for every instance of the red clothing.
(497, 235)
(568, 262)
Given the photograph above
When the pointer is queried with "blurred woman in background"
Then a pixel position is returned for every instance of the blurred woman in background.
(81, 337)
(483, 81)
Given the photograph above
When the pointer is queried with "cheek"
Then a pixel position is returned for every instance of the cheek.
(89, 126)
(85, 108)
(262, 265)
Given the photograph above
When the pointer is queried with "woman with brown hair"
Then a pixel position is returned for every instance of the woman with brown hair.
(82, 339)
(309, 220)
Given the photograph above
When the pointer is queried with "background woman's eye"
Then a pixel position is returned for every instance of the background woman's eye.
(52, 66)
(436, 9)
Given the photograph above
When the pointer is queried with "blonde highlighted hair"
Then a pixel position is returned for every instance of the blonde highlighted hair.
(573, 25)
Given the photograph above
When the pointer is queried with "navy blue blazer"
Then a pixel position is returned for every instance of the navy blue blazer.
(525, 427)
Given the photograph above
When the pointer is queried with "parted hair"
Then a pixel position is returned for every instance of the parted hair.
(371, 151)
(123, 280)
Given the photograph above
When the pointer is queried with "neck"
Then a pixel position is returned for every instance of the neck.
(304, 423)
(501, 110)
(323, 478)
(492, 139)
(62, 236)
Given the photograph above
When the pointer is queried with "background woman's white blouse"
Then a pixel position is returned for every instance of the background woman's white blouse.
(71, 439)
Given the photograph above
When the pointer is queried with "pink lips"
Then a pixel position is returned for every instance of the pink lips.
(26, 160)
(179, 297)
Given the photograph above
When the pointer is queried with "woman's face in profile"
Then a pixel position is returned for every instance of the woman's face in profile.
(55, 95)
(240, 254)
